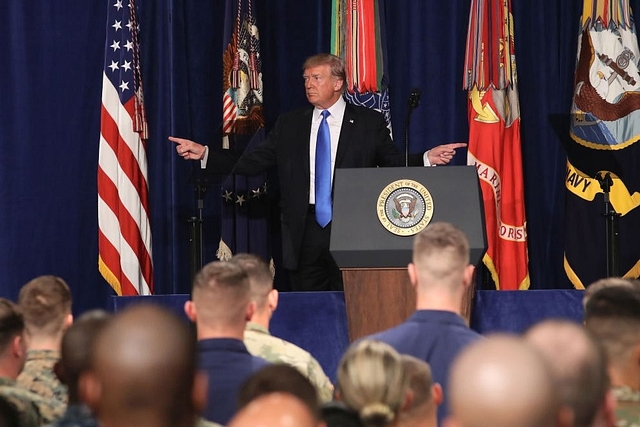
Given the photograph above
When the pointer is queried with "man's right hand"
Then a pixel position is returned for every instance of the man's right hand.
(187, 149)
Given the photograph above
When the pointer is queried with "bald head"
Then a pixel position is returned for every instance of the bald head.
(275, 410)
(578, 365)
(486, 386)
(143, 369)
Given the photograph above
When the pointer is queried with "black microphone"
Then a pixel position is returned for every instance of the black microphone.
(414, 98)
(412, 102)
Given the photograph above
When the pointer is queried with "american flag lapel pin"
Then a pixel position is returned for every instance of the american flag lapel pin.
(350, 120)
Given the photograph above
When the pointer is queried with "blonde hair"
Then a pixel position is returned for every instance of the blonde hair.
(372, 382)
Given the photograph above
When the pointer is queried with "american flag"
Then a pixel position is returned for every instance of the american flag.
(124, 233)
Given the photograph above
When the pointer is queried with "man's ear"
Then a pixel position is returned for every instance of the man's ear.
(468, 274)
(408, 400)
(90, 389)
(68, 321)
(199, 392)
(272, 299)
(413, 274)
(250, 310)
(19, 345)
(190, 310)
(436, 393)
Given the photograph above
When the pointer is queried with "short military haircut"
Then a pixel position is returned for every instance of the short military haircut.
(612, 315)
(418, 373)
(579, 365)
(77, 342)
(441, 251)
(45, 302)
(11, 322)
(279, 378)
(221, 293)
(601, 284)
(260, 278)
(336, 64)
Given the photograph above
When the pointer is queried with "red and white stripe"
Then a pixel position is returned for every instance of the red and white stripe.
(124, 232)
(229, 113)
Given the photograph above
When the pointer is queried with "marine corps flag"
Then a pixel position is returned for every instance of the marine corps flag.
(494, 139)
(605, 128)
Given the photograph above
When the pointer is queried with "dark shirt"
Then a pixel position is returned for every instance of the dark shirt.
(227, 364)
(434, 336)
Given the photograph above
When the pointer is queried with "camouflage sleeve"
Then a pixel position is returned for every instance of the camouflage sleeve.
(29, 415)
(49, 409)
(319, 379)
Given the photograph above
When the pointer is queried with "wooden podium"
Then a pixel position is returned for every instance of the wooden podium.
(377, 290)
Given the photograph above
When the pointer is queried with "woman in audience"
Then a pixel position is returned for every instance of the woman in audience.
(372, 383)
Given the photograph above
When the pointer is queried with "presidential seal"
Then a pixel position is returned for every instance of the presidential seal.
(405, 207)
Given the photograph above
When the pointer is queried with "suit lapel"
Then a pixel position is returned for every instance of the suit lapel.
(348, 124)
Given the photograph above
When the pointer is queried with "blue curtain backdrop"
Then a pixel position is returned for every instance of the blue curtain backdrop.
(49, 118)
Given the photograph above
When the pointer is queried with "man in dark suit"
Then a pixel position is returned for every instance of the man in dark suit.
(359, 138)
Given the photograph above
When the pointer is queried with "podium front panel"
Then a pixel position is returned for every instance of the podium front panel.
(358, 238)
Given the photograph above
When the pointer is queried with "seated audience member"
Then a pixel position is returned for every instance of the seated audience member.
(372, 382)
(579, 366)
(436, 332)
(75, 353)
(45, 303)
(220, 308)
(261, 343)
(276, 410)
(612, 316)
(13, 354)
(425, 395)
(279, 378)
(143, 371)
(502, 382)
(604, 283)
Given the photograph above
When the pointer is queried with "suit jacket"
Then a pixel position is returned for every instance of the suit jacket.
(364, 142)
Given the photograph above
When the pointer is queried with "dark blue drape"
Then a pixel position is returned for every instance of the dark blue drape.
(49, 118)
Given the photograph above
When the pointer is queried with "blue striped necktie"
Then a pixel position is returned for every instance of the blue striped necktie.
(323, 173)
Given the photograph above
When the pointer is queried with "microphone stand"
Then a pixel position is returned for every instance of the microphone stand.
(611, 218)
(414, 99)
(196, 241)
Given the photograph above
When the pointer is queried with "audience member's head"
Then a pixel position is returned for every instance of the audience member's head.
(612, 315)
(221, 303)
(440, 259)
(578, 364)
(143, 371)
(46, 304)
(261, 283)
(501, 382)
(604, 283)
(275, 410)
(279, 378)
(13, 350)
(75, 352)
(425, 395)
(372, 382)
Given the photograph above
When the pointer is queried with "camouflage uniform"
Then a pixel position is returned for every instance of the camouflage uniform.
(23, 401)
(261, 343)
(38, 377)
(628, 406)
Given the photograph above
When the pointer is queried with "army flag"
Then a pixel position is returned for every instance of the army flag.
(604, 130)
(494, 139)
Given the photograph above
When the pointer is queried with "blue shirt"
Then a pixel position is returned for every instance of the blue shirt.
(434, 336)
(77, 415)
(227, 364)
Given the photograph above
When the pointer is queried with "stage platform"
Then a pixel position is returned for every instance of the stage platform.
(317, 321)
